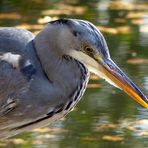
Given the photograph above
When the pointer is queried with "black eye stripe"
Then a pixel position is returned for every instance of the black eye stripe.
(75, 33)
(60, 21)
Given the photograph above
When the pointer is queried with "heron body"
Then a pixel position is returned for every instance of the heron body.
(42, 78)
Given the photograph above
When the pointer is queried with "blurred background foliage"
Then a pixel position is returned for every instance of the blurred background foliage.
(105, 117)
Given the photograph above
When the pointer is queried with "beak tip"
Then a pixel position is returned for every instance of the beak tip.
(117, 76)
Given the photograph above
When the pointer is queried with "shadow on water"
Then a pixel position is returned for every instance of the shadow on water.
(105, 116)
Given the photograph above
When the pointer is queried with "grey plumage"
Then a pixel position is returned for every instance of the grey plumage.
(42, 78)
(30, 96)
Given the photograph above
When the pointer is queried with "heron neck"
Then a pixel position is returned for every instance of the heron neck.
(64, 74)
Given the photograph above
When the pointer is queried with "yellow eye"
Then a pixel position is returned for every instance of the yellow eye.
(88, 49)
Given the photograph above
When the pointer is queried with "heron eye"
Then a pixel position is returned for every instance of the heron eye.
(88, 49)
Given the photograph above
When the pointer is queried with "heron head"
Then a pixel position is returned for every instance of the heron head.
(84, 42)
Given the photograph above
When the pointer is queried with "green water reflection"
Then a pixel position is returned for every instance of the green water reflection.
(105, 116)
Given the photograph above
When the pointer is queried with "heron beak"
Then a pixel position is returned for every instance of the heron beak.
(113, 73)
(108, 70)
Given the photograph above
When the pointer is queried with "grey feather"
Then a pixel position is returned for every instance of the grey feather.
(45, 93)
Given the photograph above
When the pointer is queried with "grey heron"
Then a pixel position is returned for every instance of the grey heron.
(43, 77)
